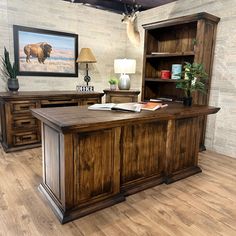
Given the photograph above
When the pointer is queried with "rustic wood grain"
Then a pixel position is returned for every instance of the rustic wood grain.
(19, 130)
(121, 96)
(67, 119)
(143, 155)
(52, 160)
(177, 36)
(93, 159)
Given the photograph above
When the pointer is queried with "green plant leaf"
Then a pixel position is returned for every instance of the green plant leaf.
(194, 78)
(9, 70)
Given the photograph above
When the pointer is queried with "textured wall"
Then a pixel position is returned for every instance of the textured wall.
(101, 31)
(221, 128)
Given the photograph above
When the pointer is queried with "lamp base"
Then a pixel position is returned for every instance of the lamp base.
(124, 82)
(87, 79)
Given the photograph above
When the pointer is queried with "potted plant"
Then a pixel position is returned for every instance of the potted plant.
(9, 72)
(113, 82)
(194, 79)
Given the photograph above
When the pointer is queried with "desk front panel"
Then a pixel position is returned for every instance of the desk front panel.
(143, 155)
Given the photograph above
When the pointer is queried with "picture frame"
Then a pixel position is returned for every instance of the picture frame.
(40, 52)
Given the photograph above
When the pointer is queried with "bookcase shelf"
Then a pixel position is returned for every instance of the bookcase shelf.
(158, 80)
(175, 54)
(176, 41)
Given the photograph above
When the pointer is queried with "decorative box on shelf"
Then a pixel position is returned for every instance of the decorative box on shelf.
(84, 88)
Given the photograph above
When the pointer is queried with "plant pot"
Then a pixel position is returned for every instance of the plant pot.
(187, 101)
(13, 85)
(112, 86)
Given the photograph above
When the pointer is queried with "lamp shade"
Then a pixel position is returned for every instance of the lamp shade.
(86, 56)
(125, 66)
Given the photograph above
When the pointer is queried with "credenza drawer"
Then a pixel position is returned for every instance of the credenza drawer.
(26, 138)
(22, 107)
(59, 102)
(24, 122)
(89, 101)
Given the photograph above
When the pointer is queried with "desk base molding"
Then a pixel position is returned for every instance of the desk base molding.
(182, 174)
(137, 186)
(75, 213)
(19, 148)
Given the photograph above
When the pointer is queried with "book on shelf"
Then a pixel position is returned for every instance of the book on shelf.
(155, 100)
(164, 99)
(132, 107)
(159, 53)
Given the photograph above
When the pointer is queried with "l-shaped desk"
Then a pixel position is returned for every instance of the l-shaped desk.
(93, 159)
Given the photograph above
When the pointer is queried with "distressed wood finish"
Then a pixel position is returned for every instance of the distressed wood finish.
(143, 149)
(93, 159)
(182, 159)
(19, 130)
(96, 169)
(81, 171)
(174, 40)
(121, 96)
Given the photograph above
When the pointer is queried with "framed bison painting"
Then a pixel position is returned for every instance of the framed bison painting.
(41, 52)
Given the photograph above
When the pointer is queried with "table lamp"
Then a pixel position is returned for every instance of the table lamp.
(124, 67)
(86, 56)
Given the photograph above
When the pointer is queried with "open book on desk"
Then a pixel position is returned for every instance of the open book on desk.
(133, 107)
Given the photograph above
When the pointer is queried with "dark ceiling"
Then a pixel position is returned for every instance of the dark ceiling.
(118, 6)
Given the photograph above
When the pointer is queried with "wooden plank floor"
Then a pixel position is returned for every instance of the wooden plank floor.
(204, 204)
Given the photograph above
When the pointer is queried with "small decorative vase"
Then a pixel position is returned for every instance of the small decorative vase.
(187, 101)
(112, 86)
(13, 85)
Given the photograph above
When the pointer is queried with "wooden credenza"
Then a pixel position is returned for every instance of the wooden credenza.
(19, 129)
(93, 159)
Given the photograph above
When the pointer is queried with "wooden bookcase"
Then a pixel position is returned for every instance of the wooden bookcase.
(175, 41)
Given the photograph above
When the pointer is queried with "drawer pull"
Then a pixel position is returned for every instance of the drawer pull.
(26, 122)
(26, 138)
(24, 107)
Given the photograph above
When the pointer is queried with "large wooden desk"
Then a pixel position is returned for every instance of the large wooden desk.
(93, 159)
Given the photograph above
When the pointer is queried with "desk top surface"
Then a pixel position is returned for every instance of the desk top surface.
(68, 119)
